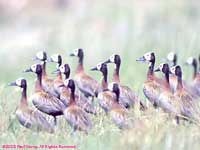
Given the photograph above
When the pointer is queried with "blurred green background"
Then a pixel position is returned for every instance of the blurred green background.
(101, 28)
(129, 28)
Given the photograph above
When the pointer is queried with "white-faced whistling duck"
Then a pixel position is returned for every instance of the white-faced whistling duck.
(47, 83)
(42, 100)
(118, 113)
(27, 117)
(172, 58)
(127, 97)
(106, 97)
(81, 100)
(188, 105)
(152, 86)
(75, 116)
(196, 76)
(58, 82)
(86, 84)
(167, 100)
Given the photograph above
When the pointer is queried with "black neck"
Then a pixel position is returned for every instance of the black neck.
(167, 77)
(80, 61)
(175, 61)
(72, 95)
(67, 75)
(151, 68)
(195, 69)
(105, 75)
(24, 92)
(117, 69)
(180, 84)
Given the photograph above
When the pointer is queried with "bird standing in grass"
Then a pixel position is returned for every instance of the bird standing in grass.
(27, 117)
(86, 84)
(128, 98)
(118, 113)
(47, 83)
(106, 98)
(172, 58)
(42, 100)
(75, 116)
(152, 85)
(167, 100)
(188, 105)
(58, 82)
(196, 76)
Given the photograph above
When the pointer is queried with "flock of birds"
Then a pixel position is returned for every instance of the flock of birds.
(59, 96)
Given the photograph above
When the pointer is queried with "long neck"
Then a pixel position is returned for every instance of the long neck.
(116, 74)
(195, 70)
(44, 69)
(104, 82)
(150, 72)
(24, 96)
(175, 61)
(180, 84)
(167, 85)
(38, 83)
(117, 97)
(72, 97)
(80, 65)
(67, 75)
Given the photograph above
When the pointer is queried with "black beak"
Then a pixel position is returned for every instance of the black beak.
(157, 70)
(108, 61)
(72, 54)
(142, 59)
(28, 70)
(12, 84)
(94, 69)
(55, 72)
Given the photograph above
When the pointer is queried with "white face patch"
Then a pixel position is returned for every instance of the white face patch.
(112, 58)
(173, 69)
(99, 66)
(66, 82)
(19, 81)
(55, 58)
(33, 67)
(170, 56)
(110, 86)
(76, 52)
(147, 56)
(40, 55)
(161, 66)
(62, 68)
(190, 60)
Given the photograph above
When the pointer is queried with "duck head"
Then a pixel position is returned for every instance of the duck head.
(164, 67)
(172, 57)
(114, 59)
(41, 56)
(70, 84)
(102, 67)
(36, 68)
(20, 82)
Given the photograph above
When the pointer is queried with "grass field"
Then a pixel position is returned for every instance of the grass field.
(128, 28)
